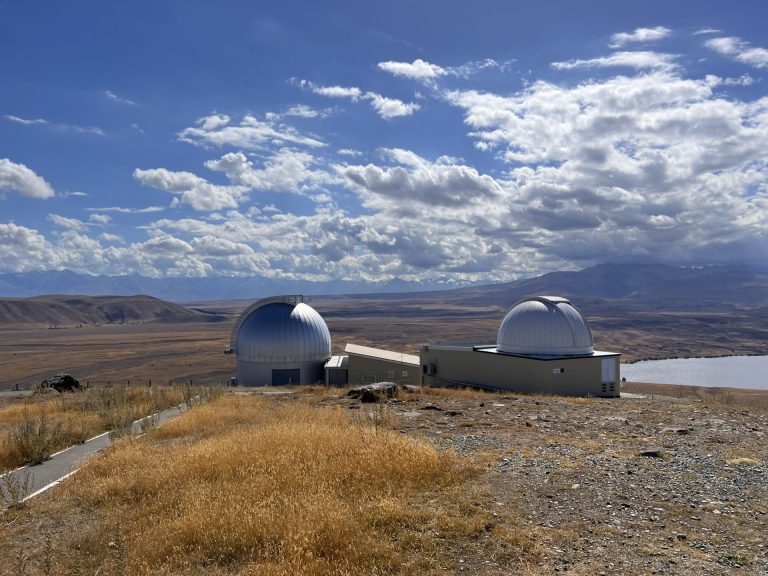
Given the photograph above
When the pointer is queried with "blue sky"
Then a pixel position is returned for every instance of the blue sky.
(426, 141)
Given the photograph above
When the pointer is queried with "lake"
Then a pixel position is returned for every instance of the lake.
(729, 371)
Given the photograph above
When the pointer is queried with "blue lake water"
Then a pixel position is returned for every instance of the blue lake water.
(729, 371)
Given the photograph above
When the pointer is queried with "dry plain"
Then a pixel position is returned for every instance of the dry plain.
(166, 351)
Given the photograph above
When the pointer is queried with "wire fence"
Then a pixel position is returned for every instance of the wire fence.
(35, 385)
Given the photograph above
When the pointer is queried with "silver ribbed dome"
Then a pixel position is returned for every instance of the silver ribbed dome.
(546, 326)
(281, 332)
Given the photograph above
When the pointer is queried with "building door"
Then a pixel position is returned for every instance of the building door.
(608, 370)
(283, 377)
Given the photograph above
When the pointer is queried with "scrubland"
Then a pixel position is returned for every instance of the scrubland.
(308, 481)
(33, 428)
(270, 485)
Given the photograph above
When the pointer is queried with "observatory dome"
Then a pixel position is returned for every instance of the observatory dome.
(283, 332)
(280, 341)
(545, 326)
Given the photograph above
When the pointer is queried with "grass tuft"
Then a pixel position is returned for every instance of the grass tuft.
(245, 485)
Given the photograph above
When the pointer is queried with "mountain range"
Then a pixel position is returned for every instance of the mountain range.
(25, 284)
(633, 283)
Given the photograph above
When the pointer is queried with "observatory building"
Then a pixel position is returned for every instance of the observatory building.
(544, 345)
(278, 341)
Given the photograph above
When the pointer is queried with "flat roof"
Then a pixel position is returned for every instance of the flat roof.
(494, 350)
(491, 349)
(337, 362)
(379, 354)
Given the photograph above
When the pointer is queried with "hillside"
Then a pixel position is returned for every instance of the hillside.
(63, 311)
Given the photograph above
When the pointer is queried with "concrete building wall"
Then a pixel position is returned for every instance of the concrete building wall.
(261, 373)
(336, 376)
(562, 376)
(364, 370)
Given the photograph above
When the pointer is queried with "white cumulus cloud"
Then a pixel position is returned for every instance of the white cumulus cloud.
(388, 108)
(18, 178)
(416, 70)
(191, 189)
(251, 133)
(640, 35)
(101, 219)
(352, 92)
(414, 179)
(739, 50)
(285, 171)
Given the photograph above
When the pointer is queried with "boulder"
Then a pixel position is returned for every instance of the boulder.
(62, 383)
(374, 392)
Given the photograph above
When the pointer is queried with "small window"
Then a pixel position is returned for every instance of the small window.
(558, 370)
(404, 374)
(390, 374)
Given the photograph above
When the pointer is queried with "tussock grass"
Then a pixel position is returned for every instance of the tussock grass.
(254, 486)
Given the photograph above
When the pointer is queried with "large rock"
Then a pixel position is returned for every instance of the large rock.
(374, 392)
(62, 383)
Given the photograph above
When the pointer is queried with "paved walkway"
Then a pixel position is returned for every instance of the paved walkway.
(63, 464)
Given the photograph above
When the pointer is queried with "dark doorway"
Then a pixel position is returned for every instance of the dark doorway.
(282, 377)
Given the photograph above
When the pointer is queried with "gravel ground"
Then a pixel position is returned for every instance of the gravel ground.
(634, 485)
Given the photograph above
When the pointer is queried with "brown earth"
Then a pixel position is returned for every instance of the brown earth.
(117, 353)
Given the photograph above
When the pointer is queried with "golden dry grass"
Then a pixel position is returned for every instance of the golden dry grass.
(81, 415)
(246, 485)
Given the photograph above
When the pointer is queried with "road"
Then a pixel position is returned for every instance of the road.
(61, 465)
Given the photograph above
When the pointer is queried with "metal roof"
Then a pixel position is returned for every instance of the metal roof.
(545, 326)
(281, 330)
(338, 362)
(380, 354)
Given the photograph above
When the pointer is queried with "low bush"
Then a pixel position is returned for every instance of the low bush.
(35, 439)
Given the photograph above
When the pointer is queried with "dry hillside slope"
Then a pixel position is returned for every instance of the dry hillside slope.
(63, 311)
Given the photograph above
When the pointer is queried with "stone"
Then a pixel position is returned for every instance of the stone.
(62, 383)
(651, 454)
(371, 393)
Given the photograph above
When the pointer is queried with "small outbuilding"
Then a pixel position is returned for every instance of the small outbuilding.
(280, 340)
(367, 365)
(544, 345)
(336, 371)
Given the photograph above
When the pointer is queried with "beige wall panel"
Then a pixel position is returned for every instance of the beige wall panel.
(566, 376)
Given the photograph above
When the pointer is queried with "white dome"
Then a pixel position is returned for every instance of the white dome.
(281, 331)
(545, 326)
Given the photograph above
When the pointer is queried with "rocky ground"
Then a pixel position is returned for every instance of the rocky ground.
(637, 485)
